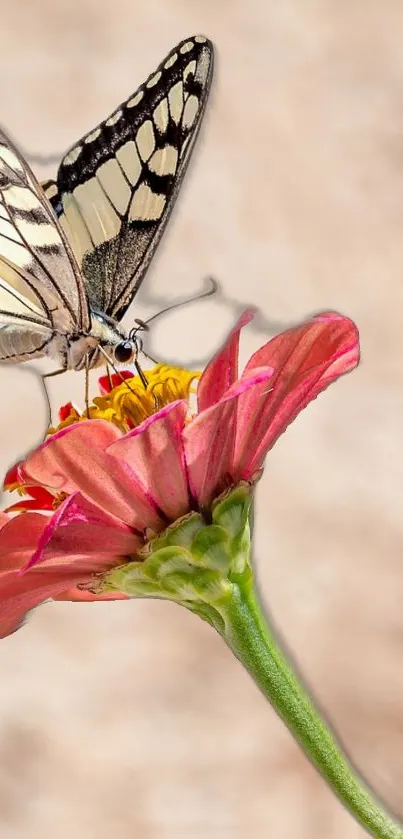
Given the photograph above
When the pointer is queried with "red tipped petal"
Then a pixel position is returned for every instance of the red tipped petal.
(37, 498)
(13, 476)
(107, 383)
(65, 411)
(222, 370)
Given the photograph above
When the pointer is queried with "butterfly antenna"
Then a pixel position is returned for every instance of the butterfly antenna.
(143, 324)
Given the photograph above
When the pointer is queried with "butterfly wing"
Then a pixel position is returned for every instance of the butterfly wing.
(25, 328)
(40, 280)
(116, 188)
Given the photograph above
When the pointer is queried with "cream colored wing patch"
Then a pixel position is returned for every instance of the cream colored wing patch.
(25, 330)
(116, 187)
(34, 247)
(17, 295)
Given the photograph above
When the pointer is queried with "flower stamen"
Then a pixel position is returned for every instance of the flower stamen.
(128, 400)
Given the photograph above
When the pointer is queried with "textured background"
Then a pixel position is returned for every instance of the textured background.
(133, 720)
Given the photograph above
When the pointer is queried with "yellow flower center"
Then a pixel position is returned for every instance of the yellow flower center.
(132, 401)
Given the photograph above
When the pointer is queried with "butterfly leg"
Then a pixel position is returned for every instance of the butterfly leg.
(143, 378)
(48, 376)
(141, 374)
(87, 385)
(108, 373)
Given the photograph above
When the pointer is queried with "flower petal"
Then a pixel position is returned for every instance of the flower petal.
(18, 539)
(80, 529)
(64, 460)
(78, 525)
(3, 519)
(19, 593)
(222, 370)
(13, 476)
(76, 459)
(305, 360)
(108, 382)
(154, 452)
(210, 439)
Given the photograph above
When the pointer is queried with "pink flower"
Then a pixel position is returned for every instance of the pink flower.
(121, 488)
(64, 546)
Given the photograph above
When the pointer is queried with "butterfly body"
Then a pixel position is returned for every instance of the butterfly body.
(79, 351)
(74, 251)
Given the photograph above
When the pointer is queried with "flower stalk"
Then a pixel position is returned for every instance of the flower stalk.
(206, 567)
(248, 635)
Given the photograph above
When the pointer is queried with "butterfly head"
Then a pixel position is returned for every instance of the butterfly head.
(109, 340)
(125, 351)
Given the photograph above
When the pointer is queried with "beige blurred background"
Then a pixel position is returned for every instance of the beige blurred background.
(132, 719)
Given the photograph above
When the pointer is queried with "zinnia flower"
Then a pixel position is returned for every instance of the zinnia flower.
(150, 497)
(147, 474)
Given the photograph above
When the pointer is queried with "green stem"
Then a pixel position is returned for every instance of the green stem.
(248, 635)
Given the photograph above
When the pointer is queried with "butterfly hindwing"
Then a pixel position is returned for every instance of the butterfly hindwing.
(39, 277)
(25, 329)
(116, 188)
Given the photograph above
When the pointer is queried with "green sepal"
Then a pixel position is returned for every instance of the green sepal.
(232, 512)
(194, 562)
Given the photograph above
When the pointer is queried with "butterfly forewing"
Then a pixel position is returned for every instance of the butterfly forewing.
(116, 187)
(39, 277)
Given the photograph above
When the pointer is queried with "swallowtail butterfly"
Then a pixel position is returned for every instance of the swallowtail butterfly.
(74, 252)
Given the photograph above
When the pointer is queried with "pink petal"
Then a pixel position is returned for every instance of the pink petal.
(305, 360)
(80, 530)
(222, 370)
(57, 575)
(4, 519)
(20, 593)
(210, 439)
(75, 459)
(154, 452)
(64, 459)
(18, 539)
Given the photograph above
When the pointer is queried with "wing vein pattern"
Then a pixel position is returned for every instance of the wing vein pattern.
(42, 290)
(116, 187)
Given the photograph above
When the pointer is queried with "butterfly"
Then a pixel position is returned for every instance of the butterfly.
(74, 251)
